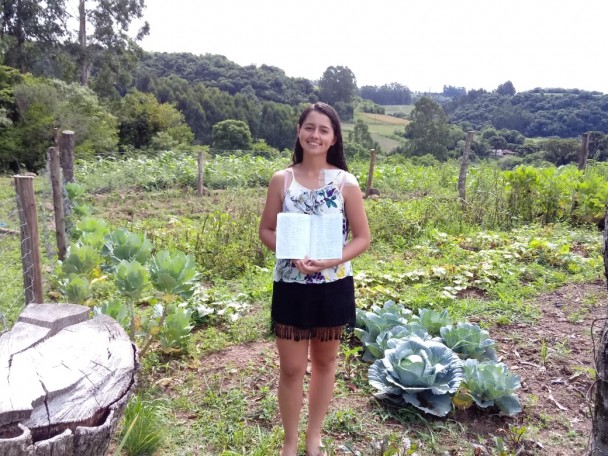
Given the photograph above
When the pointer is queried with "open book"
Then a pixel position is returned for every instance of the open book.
(318, 237)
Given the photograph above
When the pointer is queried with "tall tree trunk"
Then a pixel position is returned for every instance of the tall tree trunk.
(84, 64)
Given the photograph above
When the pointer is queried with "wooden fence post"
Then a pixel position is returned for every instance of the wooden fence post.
(56, 183)
(370, 176)
(66, 151)
(30, 248)
(462, 177)
(199, 175)
(584, 152)
(599, 428)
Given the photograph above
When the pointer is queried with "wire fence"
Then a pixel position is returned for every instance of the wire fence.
(15, 247)
(12, 291)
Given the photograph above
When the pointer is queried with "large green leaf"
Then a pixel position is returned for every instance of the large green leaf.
(173, 273)
(469, 341)
(131, 278)
(124, 245)
(76, 288)
(81, 259)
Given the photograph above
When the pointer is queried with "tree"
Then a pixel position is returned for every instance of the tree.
(110, 21)
(506, 89)
(41, 105)
(452, 91)
(429, 132)
(387, 94)
(561, 151)
(337, 87)
(598, 146)
(25, 22)
(231, 135)
(361, 136)
(142, 118)
(277, 125)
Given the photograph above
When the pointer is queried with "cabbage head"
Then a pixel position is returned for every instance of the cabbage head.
(469, 341)
(433, 321)
(489, 383)
(418, 372)
(371, 323)
(375, 350)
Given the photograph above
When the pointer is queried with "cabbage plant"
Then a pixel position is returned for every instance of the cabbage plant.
(371, 323)
(124, 245)
(469, 341)
(173, 273)
(81, 259)
(433, 321)
(489, 383)
(418, 372)
(76, 288)
(375, 350)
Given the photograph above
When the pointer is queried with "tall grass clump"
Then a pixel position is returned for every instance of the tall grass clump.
(223, 238)
(143, 427)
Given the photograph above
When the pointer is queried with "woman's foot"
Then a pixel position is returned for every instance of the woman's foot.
(318, 451)
(289, 450)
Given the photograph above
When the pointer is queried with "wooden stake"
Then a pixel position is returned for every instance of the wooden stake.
(462, 177)
(584, 152)
(30, 248)
(66, 150)
(199, 175)
(370, 176)
(57, 185)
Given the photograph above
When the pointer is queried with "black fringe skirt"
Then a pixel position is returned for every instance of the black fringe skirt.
(324, 311)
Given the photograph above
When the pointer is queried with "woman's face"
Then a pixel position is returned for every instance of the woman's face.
(316, 134)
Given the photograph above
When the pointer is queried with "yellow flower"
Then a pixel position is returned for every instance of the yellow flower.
(340, 272)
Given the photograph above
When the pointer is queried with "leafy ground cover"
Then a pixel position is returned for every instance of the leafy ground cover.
(223, 402)
(221, 397)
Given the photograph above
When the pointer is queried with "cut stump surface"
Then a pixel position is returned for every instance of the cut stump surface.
(64, 381)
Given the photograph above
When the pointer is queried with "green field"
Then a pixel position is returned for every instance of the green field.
(384, 129)
(393, 109)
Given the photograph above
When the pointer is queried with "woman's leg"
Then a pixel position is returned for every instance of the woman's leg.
(323, 357)
(293, 358)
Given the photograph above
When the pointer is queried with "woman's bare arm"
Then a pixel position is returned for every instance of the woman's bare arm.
(274, 205)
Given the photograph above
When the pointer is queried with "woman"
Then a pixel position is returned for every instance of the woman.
(313, 300)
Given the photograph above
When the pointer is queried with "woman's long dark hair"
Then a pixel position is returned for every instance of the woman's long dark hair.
(335, 154)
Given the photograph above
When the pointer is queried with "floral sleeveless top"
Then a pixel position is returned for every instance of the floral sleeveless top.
(324, 200)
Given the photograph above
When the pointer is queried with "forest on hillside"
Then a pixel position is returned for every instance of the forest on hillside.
(120, 99)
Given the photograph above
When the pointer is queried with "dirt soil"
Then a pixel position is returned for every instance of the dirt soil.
(553, 357)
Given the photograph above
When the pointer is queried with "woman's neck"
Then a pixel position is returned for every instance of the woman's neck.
(313, 165)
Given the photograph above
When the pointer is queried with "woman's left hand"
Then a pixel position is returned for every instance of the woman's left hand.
(308, 266)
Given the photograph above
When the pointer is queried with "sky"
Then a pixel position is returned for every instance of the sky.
(422, 44)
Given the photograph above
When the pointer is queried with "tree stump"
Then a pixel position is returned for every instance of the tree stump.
(64, 381)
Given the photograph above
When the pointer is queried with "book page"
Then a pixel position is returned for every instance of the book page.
(293, 235)
(326, 237)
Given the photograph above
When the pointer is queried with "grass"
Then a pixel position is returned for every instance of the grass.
(393, 109)
(232, 408)
(382, 129)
